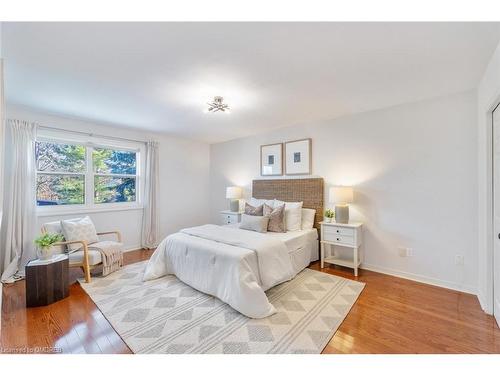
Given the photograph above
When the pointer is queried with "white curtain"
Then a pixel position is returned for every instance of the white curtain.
(19, 216)
(150, 221)
(2, 145)
(2, 153)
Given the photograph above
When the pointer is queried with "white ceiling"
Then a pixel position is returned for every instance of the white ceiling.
(158, 76)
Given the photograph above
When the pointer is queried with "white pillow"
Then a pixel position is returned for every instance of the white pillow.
(259, 202)
(308, 215)
(81, 230)
(255, 223)
(293, 214)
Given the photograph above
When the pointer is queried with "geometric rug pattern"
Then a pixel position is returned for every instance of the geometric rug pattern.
(167, 316)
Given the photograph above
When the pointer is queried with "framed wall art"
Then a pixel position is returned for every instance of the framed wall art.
(298, 159)
(271, 159)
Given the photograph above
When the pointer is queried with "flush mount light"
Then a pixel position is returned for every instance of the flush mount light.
(217, 105)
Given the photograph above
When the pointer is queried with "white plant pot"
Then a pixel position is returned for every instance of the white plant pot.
(327, 219)
(45, 253)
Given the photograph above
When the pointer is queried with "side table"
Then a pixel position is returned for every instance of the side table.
(47, 281)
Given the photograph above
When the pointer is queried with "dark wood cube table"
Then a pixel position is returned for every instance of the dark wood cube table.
(47, 281)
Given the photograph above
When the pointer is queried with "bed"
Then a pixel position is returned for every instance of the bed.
(237, 265)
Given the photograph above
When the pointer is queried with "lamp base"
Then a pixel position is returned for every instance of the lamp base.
(234, 205)
(342, 214)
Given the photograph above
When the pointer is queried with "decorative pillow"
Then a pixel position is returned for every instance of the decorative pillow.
(276, 218)
(255, 223)
(259, 202)
(81, 230)
(254, 211)
(308, 215)
(293, 214)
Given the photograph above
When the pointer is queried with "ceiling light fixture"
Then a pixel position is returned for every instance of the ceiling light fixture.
(217, 105)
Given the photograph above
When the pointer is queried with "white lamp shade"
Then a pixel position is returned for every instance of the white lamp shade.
(233, 192)
(341, 194)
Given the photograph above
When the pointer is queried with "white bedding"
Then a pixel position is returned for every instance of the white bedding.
(235, 265)
(302, 246)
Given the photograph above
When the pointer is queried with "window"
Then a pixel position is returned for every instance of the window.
(85, 174)
(61, 173)
(114, 175)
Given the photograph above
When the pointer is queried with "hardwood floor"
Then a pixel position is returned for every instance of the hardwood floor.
(392, 315)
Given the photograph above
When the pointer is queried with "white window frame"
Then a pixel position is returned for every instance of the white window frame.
(91, 142)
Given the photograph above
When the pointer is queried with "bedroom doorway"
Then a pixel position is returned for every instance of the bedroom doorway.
(496, 212)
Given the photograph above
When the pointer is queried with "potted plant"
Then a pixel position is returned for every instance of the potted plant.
(329, 214)
(45, 244)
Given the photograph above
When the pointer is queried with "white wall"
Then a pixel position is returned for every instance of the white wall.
(184, 179)
(414, 171)
(488, 96)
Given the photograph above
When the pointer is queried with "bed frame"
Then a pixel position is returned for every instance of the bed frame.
(307, 190)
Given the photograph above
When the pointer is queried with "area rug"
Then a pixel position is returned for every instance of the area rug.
(167, 316)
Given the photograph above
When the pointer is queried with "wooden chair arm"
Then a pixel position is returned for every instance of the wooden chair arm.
(84, 245)
(117, 232)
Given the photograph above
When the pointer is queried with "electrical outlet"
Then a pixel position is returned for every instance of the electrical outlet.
(459, 260)
(405, 252)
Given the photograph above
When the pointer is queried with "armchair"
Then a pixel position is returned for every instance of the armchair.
(86, 258)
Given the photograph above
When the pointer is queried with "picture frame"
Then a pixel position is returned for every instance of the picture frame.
(271, 159)
(298, 157)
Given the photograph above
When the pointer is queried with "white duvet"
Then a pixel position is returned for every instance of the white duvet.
(235, 265)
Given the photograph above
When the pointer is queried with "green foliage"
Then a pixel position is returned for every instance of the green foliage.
(108, 189)
(114, 189)
(108, 161)
(329, 213)
(58, 157)
(48, 239)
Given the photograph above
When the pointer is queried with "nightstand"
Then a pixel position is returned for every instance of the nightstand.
(230, 217)
(345, 235)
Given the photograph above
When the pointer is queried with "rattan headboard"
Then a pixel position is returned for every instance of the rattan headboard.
(307, 190)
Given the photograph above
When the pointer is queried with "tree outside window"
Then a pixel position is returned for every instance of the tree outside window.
(62, 174)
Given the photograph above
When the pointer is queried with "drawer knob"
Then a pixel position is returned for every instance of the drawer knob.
(338, 239)
(338, 231)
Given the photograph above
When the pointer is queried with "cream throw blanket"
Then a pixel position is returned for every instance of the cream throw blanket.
(112, 255)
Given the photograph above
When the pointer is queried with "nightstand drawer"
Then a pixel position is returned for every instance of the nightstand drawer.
(337, 238)
(230, 218)
(338, 231)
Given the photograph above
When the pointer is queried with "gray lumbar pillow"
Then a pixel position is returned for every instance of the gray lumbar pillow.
(254, 211)
(255, 223)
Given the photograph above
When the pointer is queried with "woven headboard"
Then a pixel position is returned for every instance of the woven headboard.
(307, 190)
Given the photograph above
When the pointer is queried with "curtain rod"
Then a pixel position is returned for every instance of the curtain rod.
(91, 134)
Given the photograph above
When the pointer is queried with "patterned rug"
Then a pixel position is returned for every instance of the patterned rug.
(167, 316)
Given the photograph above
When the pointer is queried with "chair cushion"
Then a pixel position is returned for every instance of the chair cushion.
(77, 257)
(82, 230)
(95, 256)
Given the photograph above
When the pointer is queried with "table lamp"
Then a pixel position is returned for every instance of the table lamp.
(341, 196)
(234, 193)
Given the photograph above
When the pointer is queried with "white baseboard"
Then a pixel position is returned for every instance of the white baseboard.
(420, 278)
(497, 308)
(485, 304)
(132, 248)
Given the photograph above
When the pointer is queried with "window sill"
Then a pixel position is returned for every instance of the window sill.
(62, 211)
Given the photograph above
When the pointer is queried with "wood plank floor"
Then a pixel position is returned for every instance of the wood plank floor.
(392, 315)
